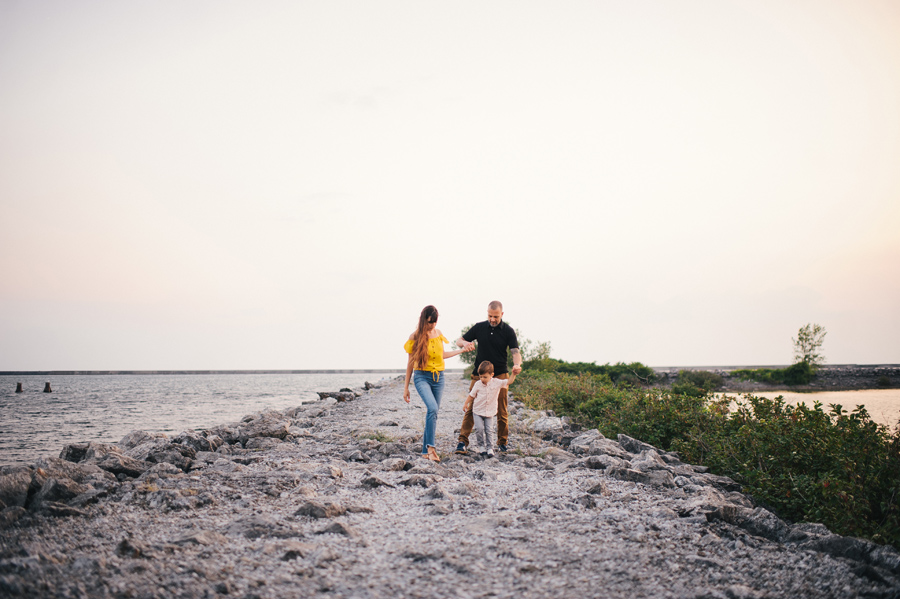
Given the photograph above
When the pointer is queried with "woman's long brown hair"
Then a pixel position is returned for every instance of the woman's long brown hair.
(420, 345)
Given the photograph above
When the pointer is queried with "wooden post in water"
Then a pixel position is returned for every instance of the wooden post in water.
(47, 388)
(18, 387)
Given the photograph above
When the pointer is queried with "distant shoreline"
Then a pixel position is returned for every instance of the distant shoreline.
(171, 372)
(665, 371)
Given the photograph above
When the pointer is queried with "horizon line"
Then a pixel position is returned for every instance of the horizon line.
(364, 370)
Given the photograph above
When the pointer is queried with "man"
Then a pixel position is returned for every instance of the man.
(494, 337)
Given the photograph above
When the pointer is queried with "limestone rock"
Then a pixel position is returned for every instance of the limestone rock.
(323, 509)
(14, 484)
(633, 445)
(337, 395)
(135, 438)
(656, 477)
(205, 441)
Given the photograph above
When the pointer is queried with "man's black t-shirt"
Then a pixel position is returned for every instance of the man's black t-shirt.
(492, 344)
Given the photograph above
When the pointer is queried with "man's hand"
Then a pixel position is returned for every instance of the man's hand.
(469, 346)
(516, 369)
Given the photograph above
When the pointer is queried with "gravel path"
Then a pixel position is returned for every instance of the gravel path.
(332, 498)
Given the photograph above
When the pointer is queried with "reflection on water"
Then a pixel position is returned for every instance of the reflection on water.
(883, 405)
(105, 408)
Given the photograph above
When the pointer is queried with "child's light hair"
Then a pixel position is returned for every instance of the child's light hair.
(486, 368)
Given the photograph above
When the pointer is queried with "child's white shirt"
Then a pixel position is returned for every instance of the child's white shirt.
(485, 402)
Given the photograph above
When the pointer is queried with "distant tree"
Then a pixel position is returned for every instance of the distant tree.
(807, 345)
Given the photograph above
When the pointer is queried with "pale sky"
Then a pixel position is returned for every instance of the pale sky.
(242, 185)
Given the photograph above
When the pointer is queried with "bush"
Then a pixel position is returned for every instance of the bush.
(835, 467)
(800, 373)
(696, 383)
(632, 374)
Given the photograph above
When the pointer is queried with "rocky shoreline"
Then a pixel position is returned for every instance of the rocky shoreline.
(829, 378)
(333, 498)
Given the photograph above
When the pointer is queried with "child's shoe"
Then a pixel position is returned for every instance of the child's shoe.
(490, 453)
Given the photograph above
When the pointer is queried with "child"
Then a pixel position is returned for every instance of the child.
(482, 400)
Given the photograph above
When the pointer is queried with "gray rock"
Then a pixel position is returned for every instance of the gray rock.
(268, 424)
(58, 490)
(656, 477)
(135, 438)
(582, 443)
(337, 395)
(119, 464)
(602, 462)
(58, 510)
(201, 537)
(256, 526)
(394, 464)
(421, 480)
(338, 528)
(82, 473)
(133, 549)
(374, 482)
(161, 450)
(263, 443)
(320, 509)
(547, 424)
(758, 521)
(633, 445)
(10, 515)
(205, 441)
(648, 460)
(558, 456)
(14, 484)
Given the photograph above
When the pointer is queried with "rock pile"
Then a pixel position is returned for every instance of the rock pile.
(333, 498)
(828, 378)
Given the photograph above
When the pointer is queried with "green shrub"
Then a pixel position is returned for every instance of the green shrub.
(696, 383)
(632, 374)
(835, 467)
(800, 373)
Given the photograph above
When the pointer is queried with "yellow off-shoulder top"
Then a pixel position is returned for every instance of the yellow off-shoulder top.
(434, 362)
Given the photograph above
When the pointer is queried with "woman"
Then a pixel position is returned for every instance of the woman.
(426, 356)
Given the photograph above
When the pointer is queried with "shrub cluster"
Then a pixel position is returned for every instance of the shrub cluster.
(620, 373)
(800, 373)
(838, 468)
(697, 383)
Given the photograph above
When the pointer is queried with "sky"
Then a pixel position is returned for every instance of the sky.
(285, 185)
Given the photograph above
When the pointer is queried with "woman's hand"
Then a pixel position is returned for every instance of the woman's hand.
(406, 394)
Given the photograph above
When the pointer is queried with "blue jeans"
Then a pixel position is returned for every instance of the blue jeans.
(430, 391)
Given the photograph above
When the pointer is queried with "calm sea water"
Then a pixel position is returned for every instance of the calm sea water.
(105, 408)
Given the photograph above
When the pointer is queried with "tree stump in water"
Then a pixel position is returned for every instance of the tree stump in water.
(47, 388)
(18, 387)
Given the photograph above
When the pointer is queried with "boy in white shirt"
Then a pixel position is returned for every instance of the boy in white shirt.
(482, 400)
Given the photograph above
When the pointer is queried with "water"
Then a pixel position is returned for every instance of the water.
(105, 408)
(883, 405)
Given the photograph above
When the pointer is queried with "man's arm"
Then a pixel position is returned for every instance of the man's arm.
(517, 360)
(466, 345)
